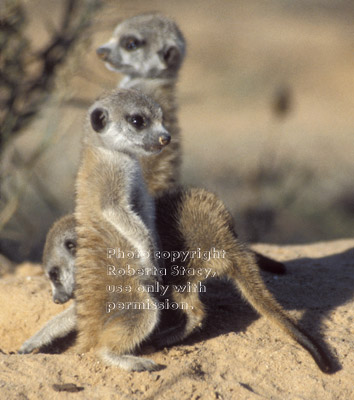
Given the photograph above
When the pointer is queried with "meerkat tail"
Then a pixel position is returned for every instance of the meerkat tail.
(246, 277)
(268, 264)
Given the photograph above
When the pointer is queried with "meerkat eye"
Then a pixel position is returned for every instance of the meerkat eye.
(130, 43)
(70, 245)
(138, 121)
(99, 119)
(54, 274)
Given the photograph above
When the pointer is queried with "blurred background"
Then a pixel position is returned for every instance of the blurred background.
(266, 99)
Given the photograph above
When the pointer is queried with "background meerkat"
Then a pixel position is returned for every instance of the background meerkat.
(149, 50)
(114, 210)
(183, 227)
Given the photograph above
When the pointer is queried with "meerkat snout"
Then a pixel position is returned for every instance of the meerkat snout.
(103, 52)
(164, 139)
(61, 298)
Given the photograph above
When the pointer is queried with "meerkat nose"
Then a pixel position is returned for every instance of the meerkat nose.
(103, 52)
(164, 139)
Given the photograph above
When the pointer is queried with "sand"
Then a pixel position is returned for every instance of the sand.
(238, 355)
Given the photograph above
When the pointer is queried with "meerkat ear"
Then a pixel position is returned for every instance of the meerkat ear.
(99, 119)
(171, 56)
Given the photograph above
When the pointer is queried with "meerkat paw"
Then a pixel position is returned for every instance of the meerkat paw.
(129, 362)
(29, 346)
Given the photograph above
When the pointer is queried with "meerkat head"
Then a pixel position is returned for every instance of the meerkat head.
(147, 45)
(59, 258)
(126, 120)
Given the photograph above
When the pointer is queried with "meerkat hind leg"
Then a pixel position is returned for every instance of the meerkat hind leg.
(193, 312)
(128, 361)
(123, 332)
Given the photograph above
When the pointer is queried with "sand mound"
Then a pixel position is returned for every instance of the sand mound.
(236, 356)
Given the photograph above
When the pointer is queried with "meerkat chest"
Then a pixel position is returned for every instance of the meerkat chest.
(106, 179)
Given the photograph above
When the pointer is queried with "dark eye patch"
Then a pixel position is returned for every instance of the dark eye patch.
(54, 274)
(138, 121)
(70, 245)
(131, 43)
(99, 119)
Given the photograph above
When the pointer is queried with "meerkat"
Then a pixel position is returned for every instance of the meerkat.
(114, 210)
(183, 228)
(59, 266)
(59, 258)
(58, 263)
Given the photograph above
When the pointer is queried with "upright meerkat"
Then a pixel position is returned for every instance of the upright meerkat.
(114, 210)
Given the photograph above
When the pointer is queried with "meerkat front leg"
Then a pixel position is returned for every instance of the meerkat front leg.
(129, 225)
(58, 327)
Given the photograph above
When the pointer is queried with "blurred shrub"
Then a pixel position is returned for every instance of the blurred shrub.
(27, 78)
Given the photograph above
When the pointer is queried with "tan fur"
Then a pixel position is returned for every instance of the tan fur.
(162, 171)
(194, 218)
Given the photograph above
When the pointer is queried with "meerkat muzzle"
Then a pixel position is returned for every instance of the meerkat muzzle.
(164, 140)
(103, 53)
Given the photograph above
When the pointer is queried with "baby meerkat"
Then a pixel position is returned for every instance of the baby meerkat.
(114, 210)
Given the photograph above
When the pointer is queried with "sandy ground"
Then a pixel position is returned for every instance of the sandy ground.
(236, 356)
